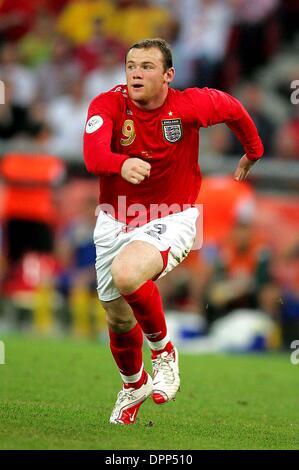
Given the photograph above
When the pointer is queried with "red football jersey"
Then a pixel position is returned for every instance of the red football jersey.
(166, 137)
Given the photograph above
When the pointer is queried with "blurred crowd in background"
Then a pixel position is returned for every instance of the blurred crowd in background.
(55, 56)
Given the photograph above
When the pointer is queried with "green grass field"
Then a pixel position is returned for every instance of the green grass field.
(58, 394)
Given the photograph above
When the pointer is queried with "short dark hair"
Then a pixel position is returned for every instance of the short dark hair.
(157, 43)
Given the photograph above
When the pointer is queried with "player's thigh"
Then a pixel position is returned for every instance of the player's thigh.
(137, 262)
(119, 315)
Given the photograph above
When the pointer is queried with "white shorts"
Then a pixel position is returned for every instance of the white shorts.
(172, 235)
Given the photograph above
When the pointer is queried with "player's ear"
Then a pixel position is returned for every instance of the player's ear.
(170, 73)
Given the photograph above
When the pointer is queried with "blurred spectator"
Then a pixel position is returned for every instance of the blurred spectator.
(76, 21)
(252, 97)
(36, 46)
(169, 30)
(35, 138)
(90, 53)
(66, 117)
(76, 251)
(287, 139)
(245, 254)
(76, 255)
(23, 129)
(224, 200)
(28, 204)
(215, 143)
(257, 30)
(35, 141)
(13, 118)
(29, 210)
(22, 79)
(37, 113)
(242, 267)
(16, 18)
(137, 19)
(59, 71)
(289, 18)
(269, 300)
(108, 74)
(202, 42)
(287, 273)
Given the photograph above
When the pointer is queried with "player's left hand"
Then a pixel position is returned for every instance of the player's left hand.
(243, 168)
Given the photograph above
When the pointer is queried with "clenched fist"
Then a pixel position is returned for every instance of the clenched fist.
(135, 170)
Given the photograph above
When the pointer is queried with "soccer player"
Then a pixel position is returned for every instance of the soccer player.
(142, 140)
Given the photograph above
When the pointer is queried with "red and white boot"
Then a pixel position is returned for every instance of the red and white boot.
(129, 401)
(166, 376)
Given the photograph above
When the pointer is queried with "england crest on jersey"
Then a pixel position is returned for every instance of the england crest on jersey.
(172, 130)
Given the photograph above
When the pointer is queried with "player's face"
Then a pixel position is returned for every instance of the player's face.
(146, 78)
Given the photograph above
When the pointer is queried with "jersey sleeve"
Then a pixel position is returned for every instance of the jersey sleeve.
(98, 157)
(215, 107)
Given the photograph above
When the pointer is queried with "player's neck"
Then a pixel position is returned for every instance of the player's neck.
(154, 103)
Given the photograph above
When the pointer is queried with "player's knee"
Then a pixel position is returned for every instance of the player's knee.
(120, 325)
(125, 278)
(119, 315)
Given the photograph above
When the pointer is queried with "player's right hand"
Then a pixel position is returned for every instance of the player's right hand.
(135, 170)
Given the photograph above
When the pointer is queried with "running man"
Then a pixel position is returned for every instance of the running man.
(142, 140)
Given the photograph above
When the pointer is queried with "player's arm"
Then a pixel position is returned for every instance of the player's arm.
(219, 107)
(98, 156)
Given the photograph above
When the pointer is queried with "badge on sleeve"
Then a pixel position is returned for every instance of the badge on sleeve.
(93, 124)
(172, 130)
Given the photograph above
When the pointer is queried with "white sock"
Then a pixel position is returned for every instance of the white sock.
(158, 345)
